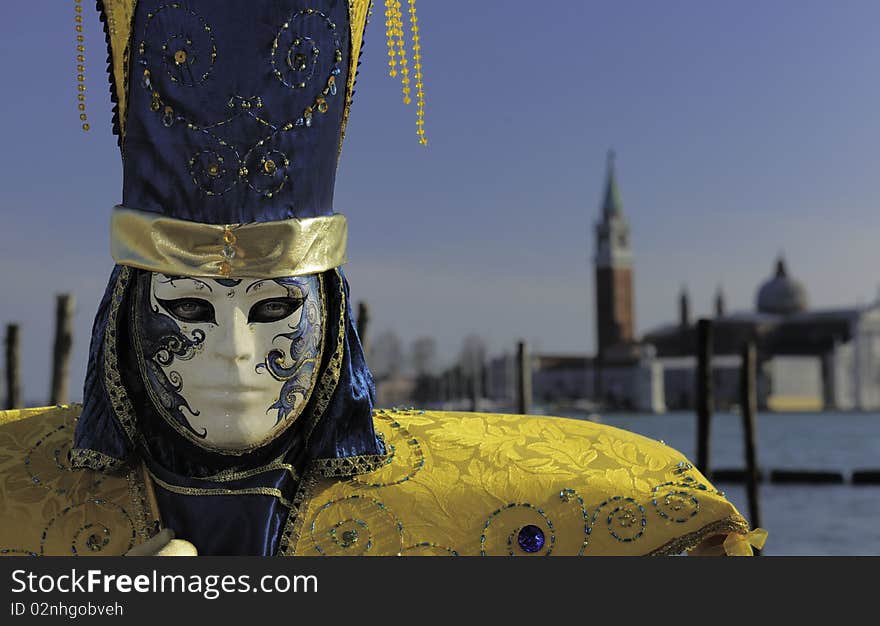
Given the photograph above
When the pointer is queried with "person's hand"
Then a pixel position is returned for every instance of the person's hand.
(164, 544)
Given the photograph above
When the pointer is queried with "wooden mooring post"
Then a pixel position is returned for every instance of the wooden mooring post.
(523, 379)
(476, 387)
(58, 392)
(363, 321)
(705, 394)
(749, 409)
(13, 377)
(457, 383)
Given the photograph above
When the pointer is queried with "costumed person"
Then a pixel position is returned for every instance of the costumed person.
(227, 400)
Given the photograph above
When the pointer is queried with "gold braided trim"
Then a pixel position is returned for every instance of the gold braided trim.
(232, 474)
(358, 11)
(295, 516)
(330, 378)
(732, 524)
(120, 17)
(144, 525)
(120, 402)
(84, 458)
(198, 491)
(293, 247)
(344, 467)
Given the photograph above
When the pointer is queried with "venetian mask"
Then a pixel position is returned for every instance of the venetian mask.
(229, 363)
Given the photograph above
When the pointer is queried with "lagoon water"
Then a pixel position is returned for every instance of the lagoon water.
(801, 519)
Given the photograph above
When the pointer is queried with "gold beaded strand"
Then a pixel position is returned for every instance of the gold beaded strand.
(80, 64)
(397, 58)
(401, 51)
(417, 66)
(390, 31)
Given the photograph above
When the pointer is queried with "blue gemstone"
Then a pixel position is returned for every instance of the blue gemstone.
(530, 538)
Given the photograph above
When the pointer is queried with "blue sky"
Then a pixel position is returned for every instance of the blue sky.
(742, 129)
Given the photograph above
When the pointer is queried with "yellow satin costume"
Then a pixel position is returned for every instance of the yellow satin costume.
(451, 484)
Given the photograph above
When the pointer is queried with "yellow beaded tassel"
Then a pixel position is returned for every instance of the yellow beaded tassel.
(417, 66)
(80, 64)
(397, 58)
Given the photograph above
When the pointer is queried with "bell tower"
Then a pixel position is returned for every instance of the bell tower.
(614, 281)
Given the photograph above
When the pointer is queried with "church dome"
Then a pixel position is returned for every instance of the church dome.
(782, 295)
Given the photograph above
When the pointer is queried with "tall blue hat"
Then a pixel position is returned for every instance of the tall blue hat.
(230, 135)
(230, 118)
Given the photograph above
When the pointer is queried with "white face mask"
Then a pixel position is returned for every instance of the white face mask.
(231, 363)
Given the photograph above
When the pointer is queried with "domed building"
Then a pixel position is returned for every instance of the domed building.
(809, 359)
(781, 294)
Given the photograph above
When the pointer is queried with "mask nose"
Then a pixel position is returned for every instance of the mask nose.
(235, 342)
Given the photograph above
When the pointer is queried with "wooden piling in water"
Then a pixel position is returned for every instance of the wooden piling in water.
(524, 379)
(13, 378)
(705, 395)
(363, 320)
(58, 392)
(457, 384)
(476, 387)
(748, 410)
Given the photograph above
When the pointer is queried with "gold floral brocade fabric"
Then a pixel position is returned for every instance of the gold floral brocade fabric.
(450, 484)
(483, 484)
(48, 509)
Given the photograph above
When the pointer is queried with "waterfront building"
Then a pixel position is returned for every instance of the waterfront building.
(562, 382)
(809, 359)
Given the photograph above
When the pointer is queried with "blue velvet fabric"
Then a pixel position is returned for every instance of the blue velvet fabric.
(228, 525)
(207, 109)
(217, 524)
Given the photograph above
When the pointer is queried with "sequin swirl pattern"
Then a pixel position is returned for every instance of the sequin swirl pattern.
(87, 528)
(405, 455)
(678, 501)
(624, 518)
(354, 526)
(46, 464)
(300, 58)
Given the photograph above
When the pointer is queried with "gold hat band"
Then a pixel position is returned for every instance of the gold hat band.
(291, 247)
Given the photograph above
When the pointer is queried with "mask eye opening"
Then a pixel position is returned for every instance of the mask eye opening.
(274, 310)
(189, 310)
